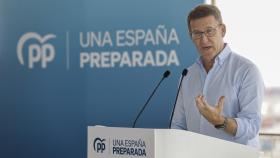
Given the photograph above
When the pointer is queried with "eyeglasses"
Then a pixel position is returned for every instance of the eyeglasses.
(209, 32)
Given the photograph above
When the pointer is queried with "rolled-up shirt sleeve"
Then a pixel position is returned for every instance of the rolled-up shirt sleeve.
(250, 96)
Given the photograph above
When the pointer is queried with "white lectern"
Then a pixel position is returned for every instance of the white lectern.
(113, 142)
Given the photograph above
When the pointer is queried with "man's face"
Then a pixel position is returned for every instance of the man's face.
(207, 34)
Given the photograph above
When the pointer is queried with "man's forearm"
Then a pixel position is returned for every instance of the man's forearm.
(231, 126)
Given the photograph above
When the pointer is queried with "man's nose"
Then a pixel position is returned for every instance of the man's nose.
(203, 38)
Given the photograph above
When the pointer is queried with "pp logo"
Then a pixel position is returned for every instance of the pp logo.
(99, 145)
(37, 52)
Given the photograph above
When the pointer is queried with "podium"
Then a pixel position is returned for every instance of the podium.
(115, 142)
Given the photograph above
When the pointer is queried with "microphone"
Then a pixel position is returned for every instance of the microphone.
(165, 75)
(184, 73)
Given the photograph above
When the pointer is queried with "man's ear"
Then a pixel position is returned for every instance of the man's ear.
(224, 30)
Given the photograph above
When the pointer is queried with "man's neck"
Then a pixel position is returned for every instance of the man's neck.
(208, 64)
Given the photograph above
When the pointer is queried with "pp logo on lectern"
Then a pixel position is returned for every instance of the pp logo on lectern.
(99, 145)
(39, 51)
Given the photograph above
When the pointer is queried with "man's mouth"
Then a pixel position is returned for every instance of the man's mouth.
(206, 47)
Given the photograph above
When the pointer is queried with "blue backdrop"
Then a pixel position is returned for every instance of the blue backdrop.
(66, 65)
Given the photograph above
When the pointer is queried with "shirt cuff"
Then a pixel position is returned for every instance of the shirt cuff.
(240, 131)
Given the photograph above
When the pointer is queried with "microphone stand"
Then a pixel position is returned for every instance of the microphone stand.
(184, 73)
(166, 74)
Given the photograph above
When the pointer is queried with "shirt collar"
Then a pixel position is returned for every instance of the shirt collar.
(220, 58)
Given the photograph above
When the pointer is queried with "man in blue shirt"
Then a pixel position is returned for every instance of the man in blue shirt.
(222, 94)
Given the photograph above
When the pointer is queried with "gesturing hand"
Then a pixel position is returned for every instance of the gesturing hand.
(211, 113)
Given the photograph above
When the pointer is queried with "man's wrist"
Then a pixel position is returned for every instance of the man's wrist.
(222, 125)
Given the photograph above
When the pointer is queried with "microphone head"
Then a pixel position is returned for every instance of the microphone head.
(184, 72)
(166, 74)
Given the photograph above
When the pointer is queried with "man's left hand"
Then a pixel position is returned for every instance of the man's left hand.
(211, 113)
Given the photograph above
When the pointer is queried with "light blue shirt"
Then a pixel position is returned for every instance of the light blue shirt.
(234, 77)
